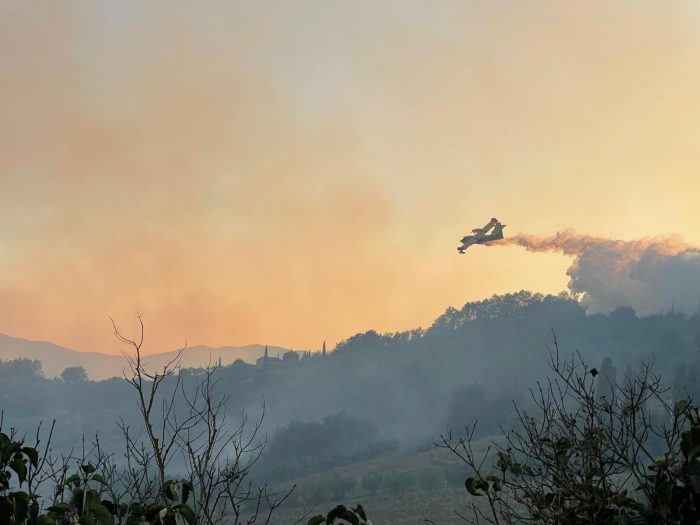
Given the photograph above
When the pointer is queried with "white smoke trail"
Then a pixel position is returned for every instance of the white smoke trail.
(648, 274)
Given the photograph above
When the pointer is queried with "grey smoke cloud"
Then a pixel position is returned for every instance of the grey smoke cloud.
(648, 274)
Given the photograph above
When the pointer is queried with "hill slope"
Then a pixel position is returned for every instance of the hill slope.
(54, 358)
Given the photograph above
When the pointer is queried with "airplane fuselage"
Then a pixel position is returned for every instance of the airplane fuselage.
(482, 235)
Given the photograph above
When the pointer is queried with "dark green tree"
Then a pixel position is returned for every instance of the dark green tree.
(74, 374)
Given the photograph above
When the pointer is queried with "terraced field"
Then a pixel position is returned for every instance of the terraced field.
(436, 492)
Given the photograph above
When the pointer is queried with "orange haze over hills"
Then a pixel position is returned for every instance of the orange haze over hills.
(288, 172)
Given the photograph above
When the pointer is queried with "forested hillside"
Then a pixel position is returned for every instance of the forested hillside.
(406, 387)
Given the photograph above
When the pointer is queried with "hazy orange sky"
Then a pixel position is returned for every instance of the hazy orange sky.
(288, 172)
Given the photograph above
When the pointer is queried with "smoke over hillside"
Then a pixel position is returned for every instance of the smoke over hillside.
(647, 274)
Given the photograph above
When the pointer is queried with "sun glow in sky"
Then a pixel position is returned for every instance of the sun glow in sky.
(288, 172)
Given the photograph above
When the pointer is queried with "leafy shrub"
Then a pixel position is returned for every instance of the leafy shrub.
(16, 506)
(341, 515)
(617, 457)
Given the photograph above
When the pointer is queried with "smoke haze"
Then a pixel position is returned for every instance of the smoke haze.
(289, 172)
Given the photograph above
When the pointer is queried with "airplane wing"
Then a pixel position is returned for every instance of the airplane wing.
(495, 235)
(483, 231)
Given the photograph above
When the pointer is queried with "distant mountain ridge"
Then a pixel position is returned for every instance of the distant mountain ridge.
(55, 358)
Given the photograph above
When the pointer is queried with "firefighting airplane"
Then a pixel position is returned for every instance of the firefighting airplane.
(482, 235)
